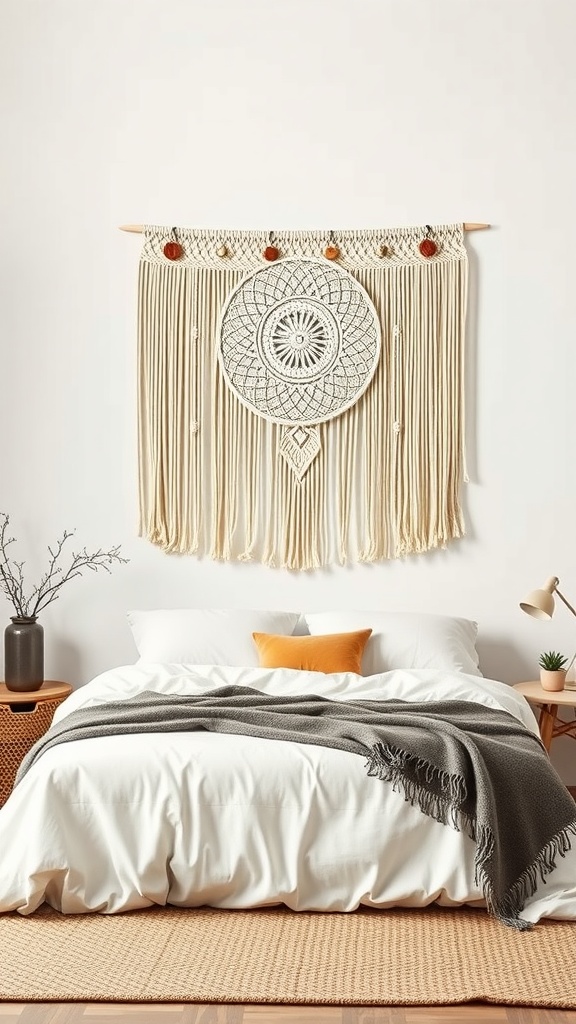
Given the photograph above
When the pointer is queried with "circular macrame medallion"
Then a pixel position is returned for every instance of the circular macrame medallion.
(299, 341)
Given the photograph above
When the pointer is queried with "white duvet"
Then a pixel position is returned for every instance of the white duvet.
(124, 822)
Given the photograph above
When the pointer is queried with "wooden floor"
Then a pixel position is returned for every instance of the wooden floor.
(177, 1013)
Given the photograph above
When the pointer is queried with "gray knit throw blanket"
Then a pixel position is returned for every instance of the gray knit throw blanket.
(473, 768)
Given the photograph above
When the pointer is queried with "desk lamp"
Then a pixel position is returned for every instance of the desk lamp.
(540, 604)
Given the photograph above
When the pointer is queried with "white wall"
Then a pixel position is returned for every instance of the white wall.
(308, 113)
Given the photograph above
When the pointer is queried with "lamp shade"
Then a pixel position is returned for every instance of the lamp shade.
(540, 603)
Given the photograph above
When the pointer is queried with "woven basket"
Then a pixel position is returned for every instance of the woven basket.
(19, 731)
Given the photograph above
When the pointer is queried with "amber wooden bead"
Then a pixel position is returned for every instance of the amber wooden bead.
(331, 252)
(222, 251)
(173, 250)
(428, 247)
(271, 253)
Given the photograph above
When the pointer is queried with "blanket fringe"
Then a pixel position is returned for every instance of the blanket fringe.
(391, 764)
(509, 907)
(412, 775)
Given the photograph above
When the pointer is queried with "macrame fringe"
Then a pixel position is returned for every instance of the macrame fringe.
(387, 478)
(412, 775)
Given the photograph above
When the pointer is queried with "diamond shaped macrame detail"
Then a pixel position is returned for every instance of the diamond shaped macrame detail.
(299, 446)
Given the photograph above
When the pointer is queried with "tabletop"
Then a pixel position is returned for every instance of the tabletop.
(534, 692)
(51, 689)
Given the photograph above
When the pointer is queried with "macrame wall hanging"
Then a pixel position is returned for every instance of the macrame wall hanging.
(301, 395)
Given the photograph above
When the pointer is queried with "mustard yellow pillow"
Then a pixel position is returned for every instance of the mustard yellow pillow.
(335, 652)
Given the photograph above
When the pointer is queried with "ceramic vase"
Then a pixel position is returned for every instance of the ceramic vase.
(24, 654)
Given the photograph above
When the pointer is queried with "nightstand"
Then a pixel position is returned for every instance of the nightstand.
(549, 701)
(24, 718)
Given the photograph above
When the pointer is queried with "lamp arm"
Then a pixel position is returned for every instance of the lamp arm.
(567, 603)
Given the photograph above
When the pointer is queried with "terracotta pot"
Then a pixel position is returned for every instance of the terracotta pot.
(552, 680)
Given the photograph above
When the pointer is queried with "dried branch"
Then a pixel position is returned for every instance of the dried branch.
(80, 561)
(9, 583)
(19, 583)
(48, 589)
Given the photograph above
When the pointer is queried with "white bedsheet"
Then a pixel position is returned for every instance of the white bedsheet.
(124, 822)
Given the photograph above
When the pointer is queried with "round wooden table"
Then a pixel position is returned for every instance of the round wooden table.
(24, 718)
(549, 701)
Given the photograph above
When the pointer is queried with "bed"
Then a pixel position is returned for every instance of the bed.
(124, 822)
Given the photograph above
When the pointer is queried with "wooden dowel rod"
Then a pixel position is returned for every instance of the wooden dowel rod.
(138, 229)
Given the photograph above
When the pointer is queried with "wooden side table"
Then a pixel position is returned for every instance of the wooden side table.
(24, 718)
(549, 701)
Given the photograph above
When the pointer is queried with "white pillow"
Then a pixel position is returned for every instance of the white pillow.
(406, 639)
(205, 636)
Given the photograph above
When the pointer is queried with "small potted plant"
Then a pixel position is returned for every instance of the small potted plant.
(552, 671)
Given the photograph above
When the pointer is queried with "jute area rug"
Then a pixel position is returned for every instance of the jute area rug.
(391, 957)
